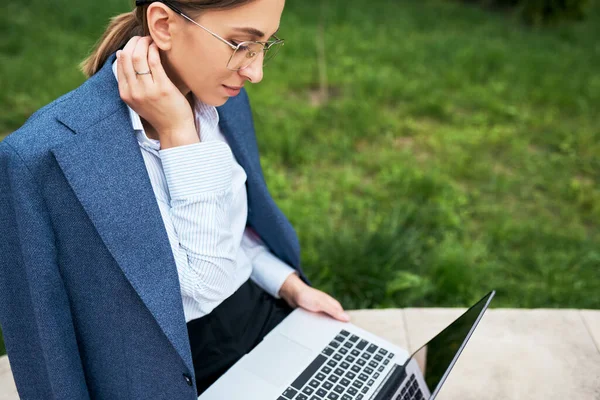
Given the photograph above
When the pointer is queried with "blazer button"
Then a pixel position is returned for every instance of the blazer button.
(188, 379)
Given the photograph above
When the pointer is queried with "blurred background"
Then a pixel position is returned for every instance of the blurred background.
(426, 151)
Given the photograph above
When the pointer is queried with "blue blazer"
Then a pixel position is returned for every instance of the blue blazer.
(90, 303)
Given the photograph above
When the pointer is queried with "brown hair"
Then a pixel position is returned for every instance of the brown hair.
(124, 26)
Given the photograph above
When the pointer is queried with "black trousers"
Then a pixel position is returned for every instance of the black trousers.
(231, 330)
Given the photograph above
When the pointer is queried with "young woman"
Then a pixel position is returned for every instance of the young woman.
(141, 253)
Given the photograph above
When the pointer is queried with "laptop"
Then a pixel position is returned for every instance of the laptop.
(310, 356)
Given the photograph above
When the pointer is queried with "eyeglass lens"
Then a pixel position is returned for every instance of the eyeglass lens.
(247, 52)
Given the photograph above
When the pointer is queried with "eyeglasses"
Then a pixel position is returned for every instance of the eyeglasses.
(244, 53)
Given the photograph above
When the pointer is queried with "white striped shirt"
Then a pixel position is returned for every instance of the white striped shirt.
(201, 193)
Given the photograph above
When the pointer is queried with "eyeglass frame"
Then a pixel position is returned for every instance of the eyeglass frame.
(266, 45)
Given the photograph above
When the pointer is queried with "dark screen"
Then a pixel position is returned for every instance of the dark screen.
(436, 356)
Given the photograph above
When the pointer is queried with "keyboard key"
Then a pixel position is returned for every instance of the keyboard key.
(373, 364)
(331, 363)
(321, 392)
(372, 348)
(347, 397)
(390, 355)
(337, 357)
(339, 371)
(378, 357)
(301, 397)
(348, 345)
(355, 353)
(309, 372)
(327, 351)
(362, 344)
(358, 384)
(334, 344)
(344, 382)
(366, 356)
(363, 377)
(344, 365)
(333, 378)
(353, 338)
(370, 382)
(359, 397)
(352, 391)
(327, 385)
(326, 370)
(316, 398)
(290, 393)
(350, 359)
(314, 384)
(343, 350)
(368, 371)
(361, 362)
(376, 375)
(333, 396)
(365, 389)
(380, 369)
(344, 333)
(355, 368)
(386, 361)
(339, 389)
(383, 352)
(308, 390)
(350, 375)
(320, 376)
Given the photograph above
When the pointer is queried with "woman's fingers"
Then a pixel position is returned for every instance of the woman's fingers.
(126, 63)
(318, 301)
(139, 57)
(334, 308)
(158, 73)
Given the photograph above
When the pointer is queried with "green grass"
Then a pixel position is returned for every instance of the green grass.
(459, 151)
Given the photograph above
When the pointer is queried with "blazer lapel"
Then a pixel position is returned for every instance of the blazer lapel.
(104, 166)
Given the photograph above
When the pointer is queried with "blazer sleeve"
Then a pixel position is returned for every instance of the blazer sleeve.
(34, 309)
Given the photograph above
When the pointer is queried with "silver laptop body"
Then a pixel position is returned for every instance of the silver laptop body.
(310, 356)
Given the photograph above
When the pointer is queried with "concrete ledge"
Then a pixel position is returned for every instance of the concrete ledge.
(8, 391)
(514, 354)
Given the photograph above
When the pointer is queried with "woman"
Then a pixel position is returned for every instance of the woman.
(141, 252)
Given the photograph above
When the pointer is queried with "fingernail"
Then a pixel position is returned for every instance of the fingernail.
(118, 54)
(345, 316)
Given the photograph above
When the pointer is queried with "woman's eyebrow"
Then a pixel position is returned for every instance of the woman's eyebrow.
(253, 31)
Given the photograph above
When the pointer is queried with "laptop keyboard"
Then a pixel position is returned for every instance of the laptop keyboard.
(411, 390)
(345, 370)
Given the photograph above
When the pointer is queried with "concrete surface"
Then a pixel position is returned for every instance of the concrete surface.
(8, 391)
(513, 354)
(592, 322)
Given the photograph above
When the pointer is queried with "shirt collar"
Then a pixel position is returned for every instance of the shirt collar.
(205, 113)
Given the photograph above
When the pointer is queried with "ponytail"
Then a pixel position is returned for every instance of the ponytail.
(120, 29)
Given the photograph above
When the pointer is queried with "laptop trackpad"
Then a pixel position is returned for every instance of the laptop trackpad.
(278, 360)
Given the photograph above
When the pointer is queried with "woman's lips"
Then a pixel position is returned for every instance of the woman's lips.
(232, 90)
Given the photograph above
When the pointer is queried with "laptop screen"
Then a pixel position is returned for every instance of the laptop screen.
(437, 357)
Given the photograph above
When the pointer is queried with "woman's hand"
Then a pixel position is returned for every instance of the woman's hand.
(298, 294)
(154, 96)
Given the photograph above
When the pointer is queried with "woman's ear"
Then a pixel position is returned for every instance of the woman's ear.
(163, 24)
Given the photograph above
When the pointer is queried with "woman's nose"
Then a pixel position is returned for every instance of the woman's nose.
(254, 71)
